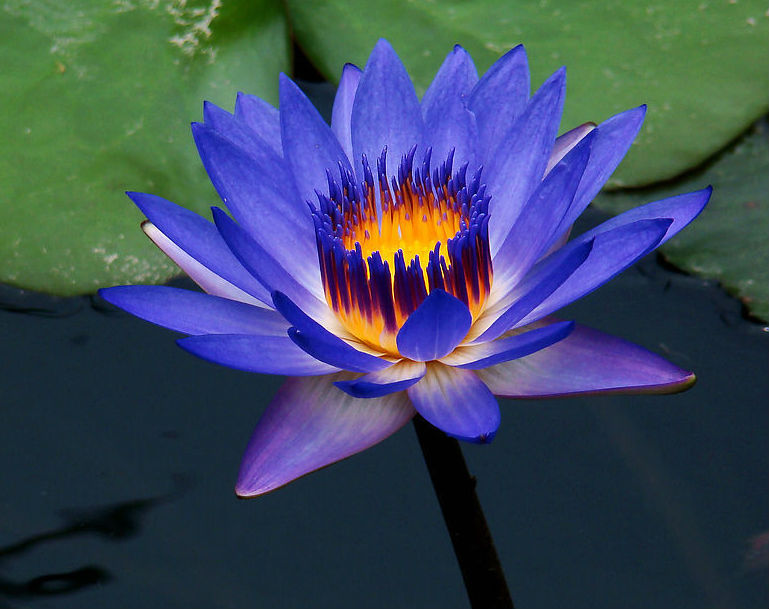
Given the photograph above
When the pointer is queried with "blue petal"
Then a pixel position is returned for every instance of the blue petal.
(194, 312)
(254, 353)
(310, 147)
(310, 424)
(586, 362)
(516, 167)
(449, 125)
(457, 402)
(322, 344)
(499, 99)
(397, 377)
(564, 143)
(341, 114)
(270, 272)
(476, 357)
(433, 330)
(261, 118)
(534, 289)
(200, 240)
(386, 111)
(260, 194)
(238, 132)
(613, 251)
(531, 235)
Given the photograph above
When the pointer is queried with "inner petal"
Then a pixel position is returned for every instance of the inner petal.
(385, 244)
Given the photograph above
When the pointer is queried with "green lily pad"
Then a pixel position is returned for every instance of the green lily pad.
(728, 241)
(700, 65)
(97, 98)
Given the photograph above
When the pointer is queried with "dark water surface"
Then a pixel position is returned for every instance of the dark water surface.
(119, 455)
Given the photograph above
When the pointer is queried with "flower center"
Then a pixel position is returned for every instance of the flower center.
(384, 246)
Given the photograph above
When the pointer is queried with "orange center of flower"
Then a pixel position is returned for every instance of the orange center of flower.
(380, 245)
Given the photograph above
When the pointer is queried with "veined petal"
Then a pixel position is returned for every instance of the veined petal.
(564, 144)
(194, 312)
(270, 272)
(195, 245)
(613, 251)
(262, 118)
(433, 330)
(397, 377)
(261, 195)
(499, 99)
(449, 125)
(514, 171)
(533, 290)
(476, 357)
(310, 424)
(457, 402)
(309, 146)
(265, 354)
(238, 132)
(386, 111)
(341, 114)
(586, 362)
(322, 344)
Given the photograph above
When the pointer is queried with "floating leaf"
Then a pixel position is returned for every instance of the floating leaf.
(700, 65)
(97, 98)
(728, 240)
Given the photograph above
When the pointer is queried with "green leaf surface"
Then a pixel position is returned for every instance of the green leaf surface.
(700, 65)
(728, 241)
(97, 98)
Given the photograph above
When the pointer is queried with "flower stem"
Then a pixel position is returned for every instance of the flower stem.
(474, 548)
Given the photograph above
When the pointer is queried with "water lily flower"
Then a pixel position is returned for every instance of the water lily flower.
(405, 259)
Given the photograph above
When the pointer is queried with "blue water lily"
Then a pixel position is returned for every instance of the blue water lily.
(407, 259)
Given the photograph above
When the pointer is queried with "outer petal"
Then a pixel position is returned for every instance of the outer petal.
(499, 98)
(457, 402)
(261, 118)
(310, 147)
(253, 353)
(587, 361)
(341, 114)
(194, 312)
(195, 245)
(449, 125)
(397, 377)
(433, 330)
(261, 196)
(386, 111)
(238, 132)
(310, 424)
(514, 171)
(476, 357)
(564, 143)
(322, 344)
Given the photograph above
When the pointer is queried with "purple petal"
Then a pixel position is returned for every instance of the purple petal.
(515, 170)
(532, 291)
(397, 377)
(261, 118)
(386, 110)
(449, 125)
(322, 344)
(194, 312)
(457, 402)
(531, 235)
(475, 357)
(195, 245)
(564, 143)
(260, 194)
(341, 114)
(613, 251)
(586, 362)
(310, 147)
(255, 353)
(270, 272)
(237, 132)
(310, 424)
(499, 98)
(433, 330)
